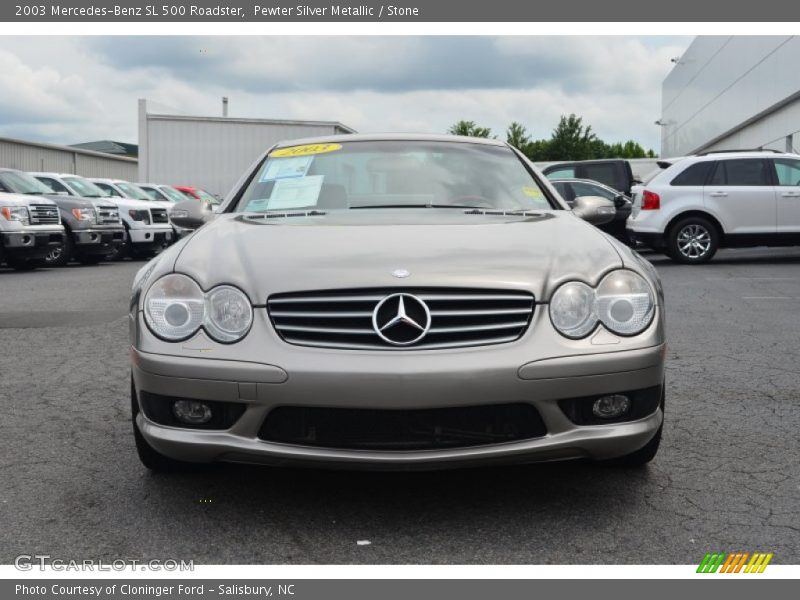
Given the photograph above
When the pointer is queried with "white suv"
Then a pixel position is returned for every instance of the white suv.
(718, 199)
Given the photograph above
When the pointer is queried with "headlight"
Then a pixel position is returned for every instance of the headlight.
(140, 215)
(572, 309)
(175, 308)
(87, 215)
(228, 314)
(623, 302)
(16, 213)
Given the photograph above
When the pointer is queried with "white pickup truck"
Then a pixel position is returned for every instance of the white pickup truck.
(147, 227)
(29, 229)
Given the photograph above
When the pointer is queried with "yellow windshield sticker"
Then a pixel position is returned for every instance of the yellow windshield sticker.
(305, 150)
(532, 192)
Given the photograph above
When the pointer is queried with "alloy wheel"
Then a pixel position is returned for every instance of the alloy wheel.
(694, 241)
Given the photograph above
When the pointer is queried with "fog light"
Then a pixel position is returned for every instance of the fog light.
(611, 407)
(191, 412)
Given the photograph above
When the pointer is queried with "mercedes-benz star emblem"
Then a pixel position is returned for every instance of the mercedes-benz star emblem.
(401, 319)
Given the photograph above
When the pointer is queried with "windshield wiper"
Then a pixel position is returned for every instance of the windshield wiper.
(370, 206)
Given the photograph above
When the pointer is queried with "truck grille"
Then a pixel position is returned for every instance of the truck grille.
(159, 215)
(44, 214)
(458, 317)
(107, 215)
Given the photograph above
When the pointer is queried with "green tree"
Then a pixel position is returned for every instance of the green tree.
(571, 140)
(517, 136)
(469, 128)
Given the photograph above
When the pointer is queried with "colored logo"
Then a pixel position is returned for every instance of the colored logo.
(735, 562)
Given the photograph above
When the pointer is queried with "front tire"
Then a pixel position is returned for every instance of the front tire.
(122, 250)
(59, 257)
(646, 453)
(149, 456)
(693, 241)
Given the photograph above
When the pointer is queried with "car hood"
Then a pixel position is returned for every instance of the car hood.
(130, 203)
(358, 249)
(8, 199)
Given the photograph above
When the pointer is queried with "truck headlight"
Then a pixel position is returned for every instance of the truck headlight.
(623, 302)
(85, 215)
(16, 213)
(140, 215)
(175, 308)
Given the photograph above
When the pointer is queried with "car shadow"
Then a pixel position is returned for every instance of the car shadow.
(732, 257)
(557, 489)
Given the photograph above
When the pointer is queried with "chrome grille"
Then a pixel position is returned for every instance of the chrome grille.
(159, 215)
(44, 214)
(459, 317)
(107, 215)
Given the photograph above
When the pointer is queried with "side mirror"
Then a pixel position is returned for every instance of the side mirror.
(594, 209)
(61, 193)
(190, 214)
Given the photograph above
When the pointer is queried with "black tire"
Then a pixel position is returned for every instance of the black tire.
(692, 241)
(91, 259)
(24, 264)
(149, 456)
(122, 251)
(59, 257)
(646, 453)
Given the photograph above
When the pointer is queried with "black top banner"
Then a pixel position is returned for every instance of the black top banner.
(402, 11)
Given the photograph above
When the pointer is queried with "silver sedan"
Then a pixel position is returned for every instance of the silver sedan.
(396, 302)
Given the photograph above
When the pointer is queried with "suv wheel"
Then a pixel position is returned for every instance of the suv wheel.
(693, 240)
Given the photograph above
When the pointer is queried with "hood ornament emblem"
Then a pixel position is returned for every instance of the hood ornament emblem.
(401, 273)
(401, 319)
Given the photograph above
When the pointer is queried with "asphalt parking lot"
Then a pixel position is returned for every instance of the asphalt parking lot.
(727, 477)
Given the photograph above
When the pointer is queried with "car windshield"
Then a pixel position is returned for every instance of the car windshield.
(171, 193)
(84, 188)
(206, 197)
(154, 194)
(393, 174)
(132, 191)
(23, 183)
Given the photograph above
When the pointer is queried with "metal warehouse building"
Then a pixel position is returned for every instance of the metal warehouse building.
(212, 152)
(35, 156)
(733, 93)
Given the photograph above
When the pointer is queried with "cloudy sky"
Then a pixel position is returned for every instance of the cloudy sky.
(75, 89)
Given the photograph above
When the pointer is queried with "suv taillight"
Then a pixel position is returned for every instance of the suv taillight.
(650, 201)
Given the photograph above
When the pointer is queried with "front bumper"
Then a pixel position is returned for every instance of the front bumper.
(31, 244)
(151, 236)
(412, 382)
(97, 240)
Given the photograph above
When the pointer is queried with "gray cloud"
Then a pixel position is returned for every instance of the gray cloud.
(345, 64)
(70, 89)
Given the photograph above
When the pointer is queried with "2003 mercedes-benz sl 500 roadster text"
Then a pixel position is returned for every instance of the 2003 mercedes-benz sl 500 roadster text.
(396, 302)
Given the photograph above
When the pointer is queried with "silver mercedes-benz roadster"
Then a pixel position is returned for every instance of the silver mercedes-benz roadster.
(396, 302)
